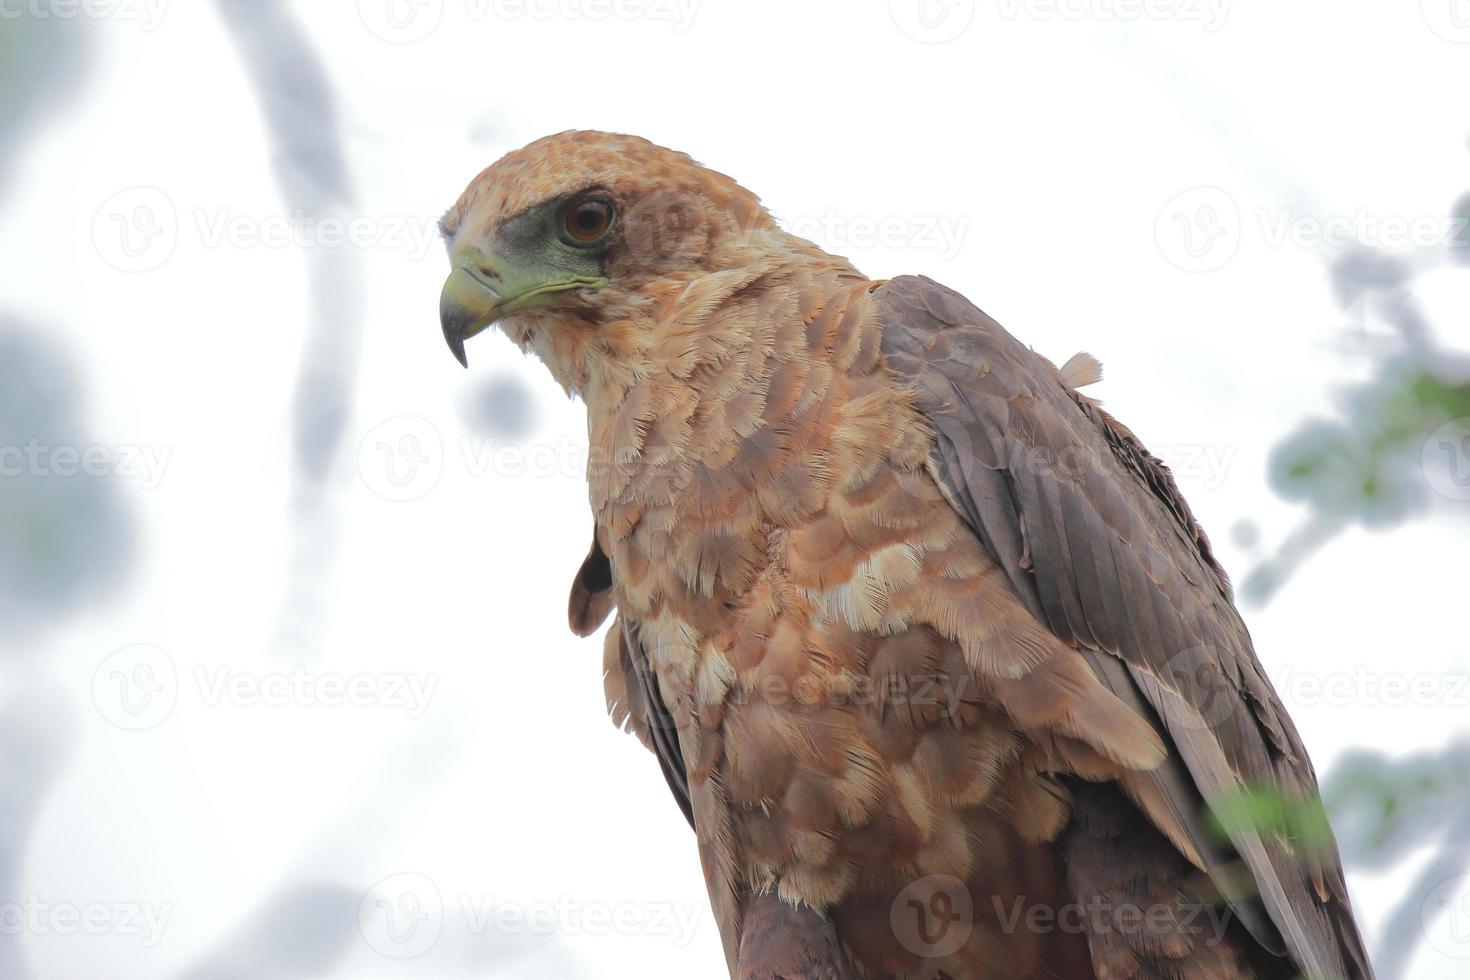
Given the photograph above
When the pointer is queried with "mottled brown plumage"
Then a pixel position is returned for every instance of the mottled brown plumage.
(916, 630)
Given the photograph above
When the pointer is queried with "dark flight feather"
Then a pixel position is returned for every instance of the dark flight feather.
(1093, 533)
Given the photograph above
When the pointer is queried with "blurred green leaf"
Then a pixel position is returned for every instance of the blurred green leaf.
(42, 63)
(1267, 811)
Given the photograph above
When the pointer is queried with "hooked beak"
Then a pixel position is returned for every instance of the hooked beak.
(482, 288)
(468, 304)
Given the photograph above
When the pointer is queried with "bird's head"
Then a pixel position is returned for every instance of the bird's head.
(568, 241)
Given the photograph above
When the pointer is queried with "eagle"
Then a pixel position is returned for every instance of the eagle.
(929, 647)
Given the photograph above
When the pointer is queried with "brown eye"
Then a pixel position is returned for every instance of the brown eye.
(588, 221)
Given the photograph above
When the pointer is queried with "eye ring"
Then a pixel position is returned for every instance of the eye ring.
(587, 221)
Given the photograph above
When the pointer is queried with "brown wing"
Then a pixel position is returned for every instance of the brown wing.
(592, 592)
(1094, 535)
(779, 942)
(633, 697)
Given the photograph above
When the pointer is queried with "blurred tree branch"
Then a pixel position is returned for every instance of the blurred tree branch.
(1395, 447)
(1399, 445)
(300, 109)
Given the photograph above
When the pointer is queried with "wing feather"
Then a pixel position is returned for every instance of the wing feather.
(633, 696)
(663, 730)
(1093, 533)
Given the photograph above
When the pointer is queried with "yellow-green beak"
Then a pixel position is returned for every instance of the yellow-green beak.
(470, 301)
(482, 288)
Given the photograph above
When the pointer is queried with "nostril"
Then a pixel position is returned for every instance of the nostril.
(485, 275)
(478, 264)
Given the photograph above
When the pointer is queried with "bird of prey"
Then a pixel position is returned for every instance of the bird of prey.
(933, 655)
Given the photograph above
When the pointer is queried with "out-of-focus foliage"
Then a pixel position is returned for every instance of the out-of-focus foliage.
(1460, 246)
(1371, 464)
(501, 407)
(64, 533)
(1367, 466)
(63, 540)
(299, 933)
(1383, 811)
(34, 744)
(1266, 809)
(1399, 445)
(43, 60)
(1385, 808)
(311, 167)
(310, 162)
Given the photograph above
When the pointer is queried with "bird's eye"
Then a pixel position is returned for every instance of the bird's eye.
(588, 220)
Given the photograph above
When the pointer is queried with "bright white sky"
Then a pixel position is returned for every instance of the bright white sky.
(1030, 162)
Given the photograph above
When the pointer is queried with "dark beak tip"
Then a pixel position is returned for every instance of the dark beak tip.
(454, 336)
(466, 307)
(456, 347)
